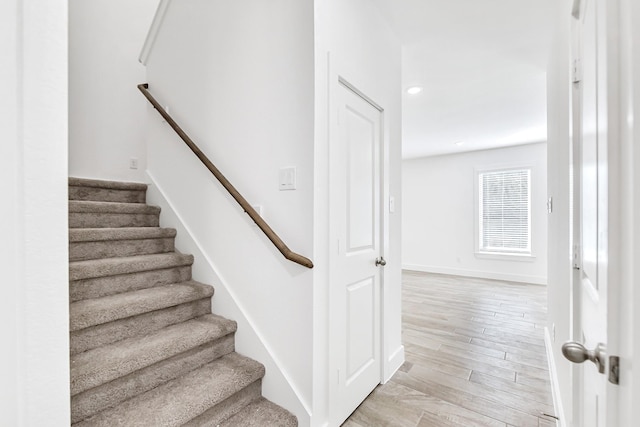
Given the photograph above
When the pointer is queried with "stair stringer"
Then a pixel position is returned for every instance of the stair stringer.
(277, 385)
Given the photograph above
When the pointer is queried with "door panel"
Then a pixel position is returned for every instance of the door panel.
(362, 136)
(355, 227)
(360, 339)
(589, 149)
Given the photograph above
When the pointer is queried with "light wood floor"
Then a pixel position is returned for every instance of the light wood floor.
(475, 356)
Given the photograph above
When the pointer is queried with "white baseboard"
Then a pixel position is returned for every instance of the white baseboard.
(393, 363)
(537, 280)
(555, 385)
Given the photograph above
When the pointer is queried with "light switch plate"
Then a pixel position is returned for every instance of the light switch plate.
(287, 179)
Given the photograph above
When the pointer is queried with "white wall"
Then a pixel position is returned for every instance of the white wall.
(439, 214)
(106, 111)
(354, 41)
(238, 77)
(558, 161)
(34, 362)
(11, 224)
(629, 345)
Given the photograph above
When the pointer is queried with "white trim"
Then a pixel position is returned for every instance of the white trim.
(506, 256)
(536, 280)
(393, 363)
(274, 367)
(553, 376)
(154, 29)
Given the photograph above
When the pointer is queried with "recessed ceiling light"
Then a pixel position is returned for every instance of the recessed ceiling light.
(413, 90)
(459, 143)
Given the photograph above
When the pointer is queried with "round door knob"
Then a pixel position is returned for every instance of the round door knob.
(380, 261)
(577, 353)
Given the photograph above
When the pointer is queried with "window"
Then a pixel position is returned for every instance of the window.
(504, 211)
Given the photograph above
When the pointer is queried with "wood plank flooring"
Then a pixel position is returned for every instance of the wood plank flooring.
(475, 356)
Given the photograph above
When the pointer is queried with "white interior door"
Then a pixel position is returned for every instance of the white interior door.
(591, 218)
(356, 235)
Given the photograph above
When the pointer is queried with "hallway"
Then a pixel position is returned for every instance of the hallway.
(475, 356)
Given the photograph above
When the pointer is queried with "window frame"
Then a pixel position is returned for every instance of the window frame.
(512, 255)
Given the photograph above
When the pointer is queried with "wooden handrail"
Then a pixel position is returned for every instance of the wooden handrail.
(271, 235)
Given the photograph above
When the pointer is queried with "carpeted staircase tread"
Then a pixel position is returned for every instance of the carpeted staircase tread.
(86, 206)
(113, 266)
(103, 364)
(261, 413)
(111, 185)
(178, 401)
(127, 233)
(97, 311)
(145, 349)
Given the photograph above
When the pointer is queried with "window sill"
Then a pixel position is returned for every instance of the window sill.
(506, 256)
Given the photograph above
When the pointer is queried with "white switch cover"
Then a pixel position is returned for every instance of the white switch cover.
(287, 178)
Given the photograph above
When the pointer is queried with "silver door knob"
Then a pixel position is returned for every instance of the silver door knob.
(380, 261)
(577, 353)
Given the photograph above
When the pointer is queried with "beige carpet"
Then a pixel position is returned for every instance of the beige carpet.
(145, 348)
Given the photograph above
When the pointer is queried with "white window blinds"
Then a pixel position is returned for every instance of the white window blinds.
(504, 209)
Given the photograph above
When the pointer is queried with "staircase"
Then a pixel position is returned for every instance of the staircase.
(145, 348)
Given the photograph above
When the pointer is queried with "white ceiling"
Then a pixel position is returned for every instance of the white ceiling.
(482, 65)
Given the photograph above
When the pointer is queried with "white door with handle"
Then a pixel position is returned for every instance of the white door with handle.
(594, 404)
(356, 259)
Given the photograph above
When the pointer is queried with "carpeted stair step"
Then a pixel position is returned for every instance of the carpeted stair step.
(222, 386)
(94, 243)
(126, 265)
(110, 276)
(90, 214)
(96, 287)
(106, 191)
(92, 401)
(97, 311)
(96, 336)
(107, 395)
(262, 413)
(101, 321)
(101, 365)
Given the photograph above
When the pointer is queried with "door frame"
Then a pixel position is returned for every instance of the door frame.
(627, 16)
(336, 82)
(623, 328)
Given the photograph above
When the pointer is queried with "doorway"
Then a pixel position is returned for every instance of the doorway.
(356, 262)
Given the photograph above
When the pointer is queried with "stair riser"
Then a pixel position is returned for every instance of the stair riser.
(106, 195)
(228, 407)
(81, 251)
(110, 285)
(79, 270)
(94, 400)
(96, 336)
(112, 220)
